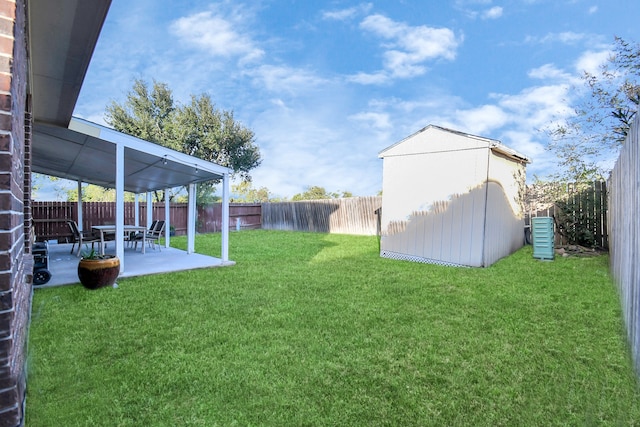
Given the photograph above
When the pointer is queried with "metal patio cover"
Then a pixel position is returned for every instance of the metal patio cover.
(86, 152)
(62, 37)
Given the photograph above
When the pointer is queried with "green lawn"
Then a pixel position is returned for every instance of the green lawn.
(318, 330)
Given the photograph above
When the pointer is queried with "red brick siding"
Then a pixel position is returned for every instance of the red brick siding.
(15, 260)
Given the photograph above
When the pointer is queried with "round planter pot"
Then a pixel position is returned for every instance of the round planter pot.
(98, 273)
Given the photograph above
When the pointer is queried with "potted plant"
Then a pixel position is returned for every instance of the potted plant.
(97, 271)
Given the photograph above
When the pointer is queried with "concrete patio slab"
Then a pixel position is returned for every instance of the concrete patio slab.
(63, 265)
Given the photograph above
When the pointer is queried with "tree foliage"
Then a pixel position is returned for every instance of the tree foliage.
(146, 114)
(207, 133)
(197, 128)
(601, 121)
(244, 192)
(317, 193)
(96, 193)
(68, 190)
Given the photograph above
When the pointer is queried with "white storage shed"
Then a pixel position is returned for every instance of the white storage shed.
(451, 198)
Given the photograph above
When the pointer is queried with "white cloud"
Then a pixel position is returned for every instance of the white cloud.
(466, 3)
(284, 79)
(493, 13)
(565, 37)
(369, 78)
(216, 35)
(346, 14)
(432, 100)
(538, 104)
(591, 61)
(470, 9)
(519, 120)
(523, 142)
(549, 71)
(278, 103)
(407, 48)
(379, 121)
(313, 145)
(482, 120)
(592, 10)
(569, 37)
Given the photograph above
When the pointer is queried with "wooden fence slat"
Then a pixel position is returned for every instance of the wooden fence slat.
(586, 209)
(354, 215)
(50, 218)
(624, 234)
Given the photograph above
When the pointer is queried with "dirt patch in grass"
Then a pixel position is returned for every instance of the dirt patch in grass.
(578, 251)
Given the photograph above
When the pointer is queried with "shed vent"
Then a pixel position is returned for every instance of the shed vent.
(543, 238)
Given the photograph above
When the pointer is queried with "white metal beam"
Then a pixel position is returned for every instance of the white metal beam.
(167, 218)
(136, 212)
(120, 204)
(149, 209)
(80, 220)
(191, 219)
(225, 218)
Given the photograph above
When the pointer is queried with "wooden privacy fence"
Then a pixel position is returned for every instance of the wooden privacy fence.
(50, 218)
(624, 234)
(242, 216)
(354, 215)
(580, 216)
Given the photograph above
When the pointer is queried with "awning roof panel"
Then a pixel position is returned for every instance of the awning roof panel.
(62, 37)
(87, 152)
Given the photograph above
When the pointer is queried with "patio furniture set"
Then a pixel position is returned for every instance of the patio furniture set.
(103, 233)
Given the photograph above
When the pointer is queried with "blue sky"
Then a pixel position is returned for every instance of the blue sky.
(326, 85)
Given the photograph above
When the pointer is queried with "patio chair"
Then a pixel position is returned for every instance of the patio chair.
(81, 238)
(134, 236)
(152, 235)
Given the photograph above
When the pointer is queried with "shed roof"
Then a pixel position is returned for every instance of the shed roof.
(463, 141)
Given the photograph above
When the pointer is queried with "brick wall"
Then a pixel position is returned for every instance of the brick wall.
(15, 259)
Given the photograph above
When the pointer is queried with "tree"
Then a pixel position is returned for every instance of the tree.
(51, 184)
(244, 192)
(198, 129)
(316, 193)
(601, 121)
(96, 193)
(207, 133)
(145, 114)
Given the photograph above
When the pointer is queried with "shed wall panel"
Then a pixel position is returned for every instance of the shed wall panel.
(433, 140)
(504, 232)
(511, 176)
(414, 183)
(474, 218)
(452, 231)
(419, 240)
(439, 219)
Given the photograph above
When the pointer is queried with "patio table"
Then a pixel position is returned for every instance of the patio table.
(106, 229)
